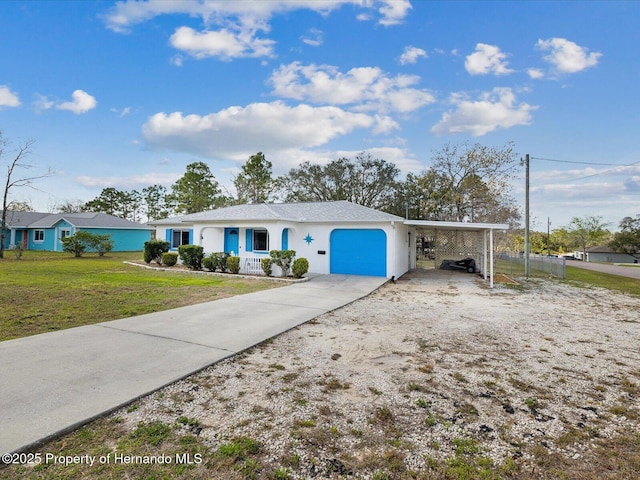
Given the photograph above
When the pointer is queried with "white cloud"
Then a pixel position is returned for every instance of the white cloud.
(239, 22)
(567, 56)
(487, 59)
(535, 73)
(222, 43)
(394, 11)
(411, 55)
(364, 88)
(314, 37)
(81, 102)
(124, 14)
(495, 109)
(128, 182)
(237, 132)
(42, 103)
(8, 98)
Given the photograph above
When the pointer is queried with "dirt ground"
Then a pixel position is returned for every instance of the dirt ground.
(435, 376)
(429, 375)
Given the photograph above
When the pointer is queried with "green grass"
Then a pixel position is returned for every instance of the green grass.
(48, 291)
(592, 278)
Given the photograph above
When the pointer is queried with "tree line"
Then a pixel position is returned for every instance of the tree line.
(466, 182)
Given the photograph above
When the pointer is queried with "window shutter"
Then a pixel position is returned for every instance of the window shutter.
(168, 233)
(249, 240)
(191, 236)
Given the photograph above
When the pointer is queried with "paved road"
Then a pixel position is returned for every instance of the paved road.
(631, 272)
(54, 382)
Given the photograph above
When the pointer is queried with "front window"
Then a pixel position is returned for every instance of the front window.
(65, 233)
(38, 235)
(179, 237)
(261, 240)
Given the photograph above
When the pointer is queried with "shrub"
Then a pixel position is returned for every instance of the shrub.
(283, 259)
(216, 261)
(300, 267)
(153, 250)
(170, 258)
(103, 244)
(266, 264)
(191, 256)
(209, 263)
(234, 264)
(83, 241)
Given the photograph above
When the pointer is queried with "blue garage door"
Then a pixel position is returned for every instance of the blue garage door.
(358, 252)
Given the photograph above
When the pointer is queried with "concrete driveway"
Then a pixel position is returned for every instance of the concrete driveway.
(55, 382)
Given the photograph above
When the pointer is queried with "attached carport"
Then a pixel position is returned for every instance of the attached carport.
(460, 239)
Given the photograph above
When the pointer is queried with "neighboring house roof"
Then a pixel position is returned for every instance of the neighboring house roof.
(78, 220)
(312, 212)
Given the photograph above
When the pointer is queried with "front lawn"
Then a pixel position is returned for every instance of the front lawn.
(46, 291)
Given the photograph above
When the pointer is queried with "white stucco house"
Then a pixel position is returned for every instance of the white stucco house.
(335, 237)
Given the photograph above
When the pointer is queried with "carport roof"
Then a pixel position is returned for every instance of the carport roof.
(459, 226)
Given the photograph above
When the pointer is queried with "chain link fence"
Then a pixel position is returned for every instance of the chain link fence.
(513, 264)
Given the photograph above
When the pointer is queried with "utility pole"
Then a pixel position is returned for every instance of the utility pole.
(527, 245)
(548, 236)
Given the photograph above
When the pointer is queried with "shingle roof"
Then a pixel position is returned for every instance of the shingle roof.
(312, 212)
(79, 220)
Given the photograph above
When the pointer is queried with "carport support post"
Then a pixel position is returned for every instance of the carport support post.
(484, 255)
(491, 257)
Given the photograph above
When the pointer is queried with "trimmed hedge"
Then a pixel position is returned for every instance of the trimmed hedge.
(170, 258)
(191, 256)
(300, 267)
(233, 263)
(153, 250)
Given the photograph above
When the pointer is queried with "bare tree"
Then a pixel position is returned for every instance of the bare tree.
(15, 163)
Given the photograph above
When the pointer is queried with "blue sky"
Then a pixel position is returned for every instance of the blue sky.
(126, 94)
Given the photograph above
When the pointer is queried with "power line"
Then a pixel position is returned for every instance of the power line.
(579, 163)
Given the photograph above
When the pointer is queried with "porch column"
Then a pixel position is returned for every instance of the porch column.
(12, 237)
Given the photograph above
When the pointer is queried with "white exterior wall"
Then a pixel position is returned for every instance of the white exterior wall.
(211, 238)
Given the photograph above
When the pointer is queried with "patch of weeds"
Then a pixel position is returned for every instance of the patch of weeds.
(188, 422)
(629, 387)
(466, 446)
(281, 473)
(422, 403)
(277, 366)
(382, 415)
(250, 468)
(532, 403)
(426, 368)
(239, 449)
(133, 407)
(414, 387)
(289, 377)
(466, 409)
(152, 433)
(307, 423)
(375, 391)
(460, 377)
(431, 421)
(333, 384)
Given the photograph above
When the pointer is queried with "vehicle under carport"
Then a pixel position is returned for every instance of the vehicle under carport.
(457, 241)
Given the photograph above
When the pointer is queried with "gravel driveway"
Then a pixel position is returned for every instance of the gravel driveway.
(435, 376)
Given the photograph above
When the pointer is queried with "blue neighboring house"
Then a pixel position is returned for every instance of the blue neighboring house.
(44, 231)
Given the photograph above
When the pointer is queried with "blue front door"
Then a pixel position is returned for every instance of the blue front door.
(231, 240)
